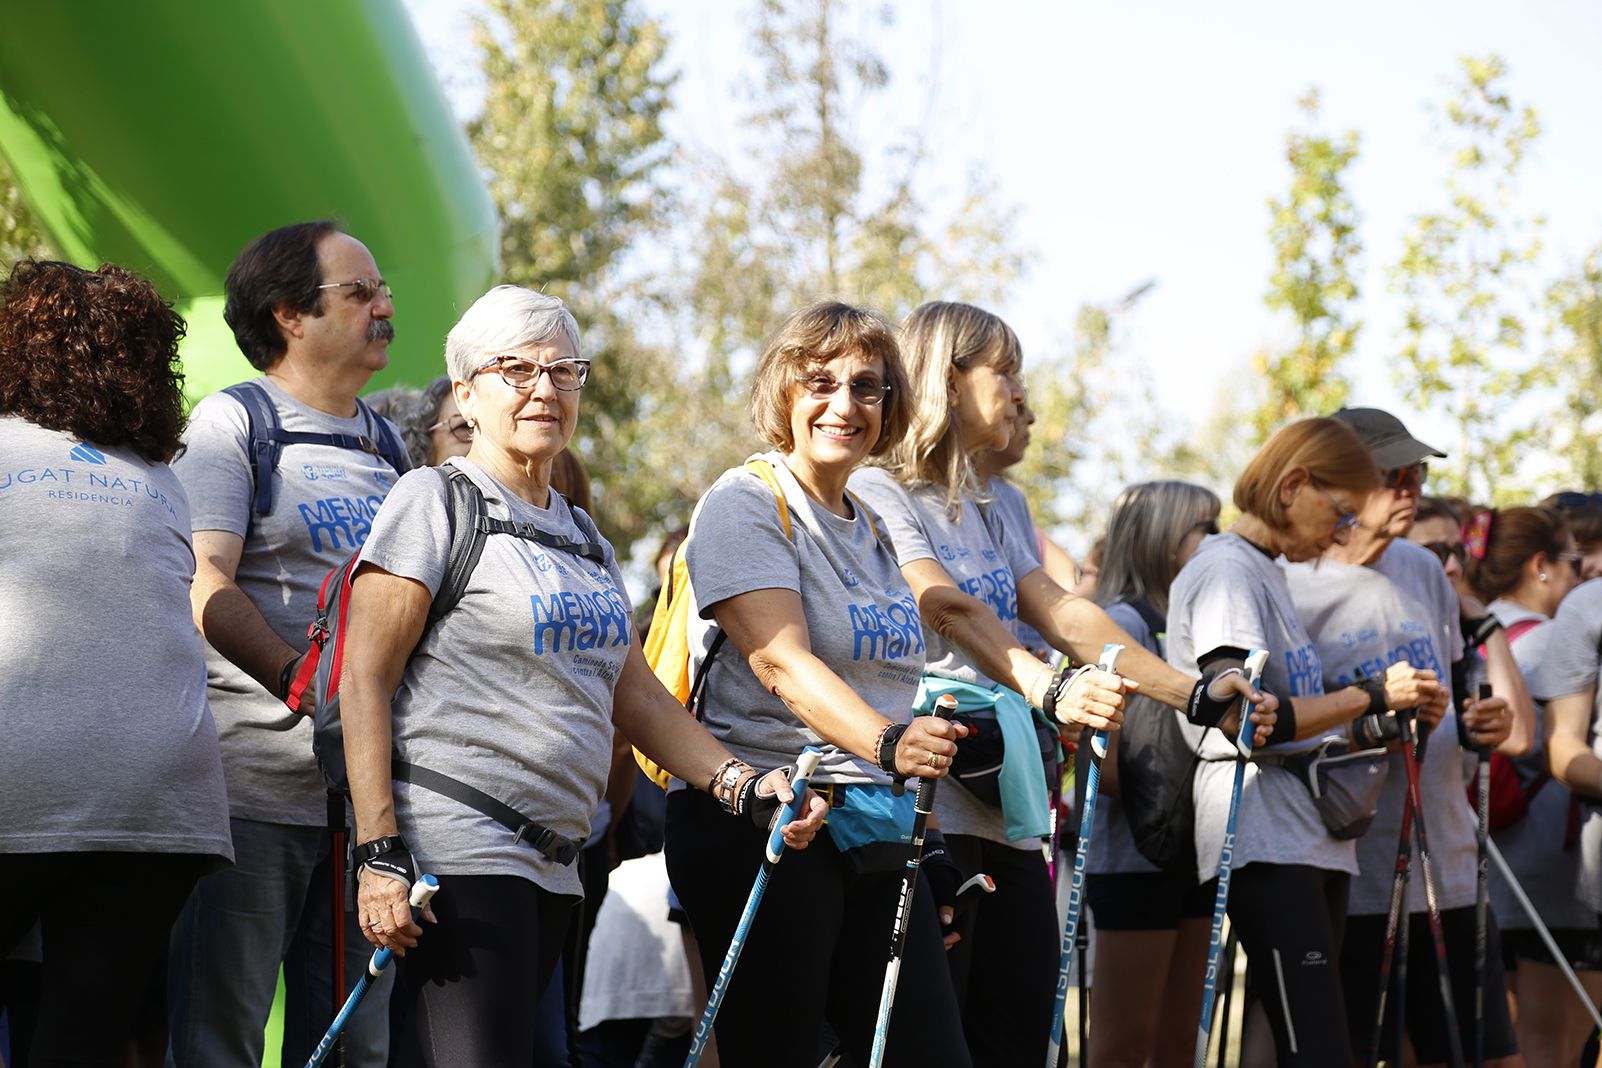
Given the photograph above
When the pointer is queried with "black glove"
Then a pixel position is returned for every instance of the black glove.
(763, 808)
(395, 861)
(942, 873)
(1205, 709)
(1372, 730)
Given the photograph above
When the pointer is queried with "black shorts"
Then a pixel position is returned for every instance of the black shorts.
(1425, 1013)
(1580, 946)
(1147, 901)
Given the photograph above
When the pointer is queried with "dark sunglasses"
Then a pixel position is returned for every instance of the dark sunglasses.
(1447, 550)
(457, 428)
(1571, 499)
(1410, 477)
(1206, 526)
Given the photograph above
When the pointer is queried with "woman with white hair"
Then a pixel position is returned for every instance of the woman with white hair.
(514, 692)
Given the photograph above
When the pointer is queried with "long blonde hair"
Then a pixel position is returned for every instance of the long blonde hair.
(937, 340)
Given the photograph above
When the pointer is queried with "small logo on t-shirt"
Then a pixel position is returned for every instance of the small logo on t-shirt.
(849, 577)
(87, 454)
(1314, 957)
(946, 553)
(323, 472)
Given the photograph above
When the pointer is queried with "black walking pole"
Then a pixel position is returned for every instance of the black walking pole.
(1410, 761)
(1482, 892)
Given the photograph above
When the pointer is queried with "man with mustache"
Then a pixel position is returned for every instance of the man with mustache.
(283, 473)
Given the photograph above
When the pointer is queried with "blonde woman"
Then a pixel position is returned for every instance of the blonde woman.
(974, 580)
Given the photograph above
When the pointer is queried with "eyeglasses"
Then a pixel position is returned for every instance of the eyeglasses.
(456, 427)
(363, 290)
(1411, 477)
(1345, 521)
(1572, 559)
(521, 374)
(1447, 550)
(865, 389)
(1206, 526)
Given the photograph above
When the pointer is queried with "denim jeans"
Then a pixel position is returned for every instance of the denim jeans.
(272, 907)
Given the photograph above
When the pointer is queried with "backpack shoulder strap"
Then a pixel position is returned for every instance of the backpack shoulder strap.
(262, 447)
(390, 447)
(464, 506)
(862, 510)
(1521, 627)
(764, 470)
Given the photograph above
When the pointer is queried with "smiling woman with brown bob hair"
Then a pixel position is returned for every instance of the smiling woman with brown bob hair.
(110, 778)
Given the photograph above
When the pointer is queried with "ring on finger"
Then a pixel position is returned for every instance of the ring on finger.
(934, 760)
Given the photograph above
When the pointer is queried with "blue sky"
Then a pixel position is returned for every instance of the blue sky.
(1142, 140)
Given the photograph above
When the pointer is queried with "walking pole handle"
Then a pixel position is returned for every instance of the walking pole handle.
(1108, 662)
(1256, 661)
(945, 707)
(805, 765)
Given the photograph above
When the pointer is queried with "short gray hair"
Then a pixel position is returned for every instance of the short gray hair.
(1147, 524)
(505, 319)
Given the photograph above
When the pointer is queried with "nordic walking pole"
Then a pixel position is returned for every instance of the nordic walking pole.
(1482, 891)
(1393, 916)
(1431, 899)
(1541, 929)
(923, 804)
(804, 767)
(422, 891)
(1076, 887)
(1230, 946)
(1226, 859)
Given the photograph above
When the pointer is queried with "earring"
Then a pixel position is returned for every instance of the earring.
(1543, 576)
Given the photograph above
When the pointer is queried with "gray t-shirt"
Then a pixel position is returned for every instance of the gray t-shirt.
(511, 692)
(860, 615)
(985, 561)
(1112, 845)
(1534, 846)
(1010, 509)
(323, 506)
(1363, 620)
(1232, 594)
(1571, 666)
(109, 744)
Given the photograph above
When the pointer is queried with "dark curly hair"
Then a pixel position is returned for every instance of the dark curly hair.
(279, 267)
(94, 354)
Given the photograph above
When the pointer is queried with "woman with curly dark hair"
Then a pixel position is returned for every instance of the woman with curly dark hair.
(112, 802)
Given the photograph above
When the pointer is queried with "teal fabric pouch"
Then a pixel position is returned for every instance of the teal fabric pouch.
(1020, 778)
(871, 826)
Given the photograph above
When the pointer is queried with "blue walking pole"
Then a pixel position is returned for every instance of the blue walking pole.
(805, 766)
(1076, 887)
(422, 890)
(1243, 742)
(923, 805)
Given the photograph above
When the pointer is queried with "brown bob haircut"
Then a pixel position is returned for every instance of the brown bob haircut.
(1331, 452)
(816, 335)
(1516, 535)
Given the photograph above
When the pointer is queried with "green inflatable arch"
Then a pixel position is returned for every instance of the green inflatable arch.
(166, 134)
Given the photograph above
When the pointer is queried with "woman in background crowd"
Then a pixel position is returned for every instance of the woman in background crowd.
(1151, 925)
(110, 776)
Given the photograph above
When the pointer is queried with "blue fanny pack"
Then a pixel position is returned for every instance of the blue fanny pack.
(871, 826)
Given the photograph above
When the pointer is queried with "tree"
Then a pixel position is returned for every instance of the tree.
(1575, 304)
(572, 145)
(21, 236)
(817, 216)
(1313, 231)
(1464, 276)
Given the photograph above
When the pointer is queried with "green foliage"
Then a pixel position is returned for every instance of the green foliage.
(1575, 305)
(21, 236)
(1464, 274)
(819, 217)
(1313, 231)
(572, 146)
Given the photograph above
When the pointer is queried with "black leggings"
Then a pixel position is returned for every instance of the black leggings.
(817, 949)
(1290, 919)
(105, 918)
(469, 988)
(1005, 966)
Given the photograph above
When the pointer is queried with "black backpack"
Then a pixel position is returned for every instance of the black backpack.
(470, 527)
(268, 438)
(1156, 771)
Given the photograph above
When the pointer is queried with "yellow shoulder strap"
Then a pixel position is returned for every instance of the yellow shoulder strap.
(862, 510)
(764, 470)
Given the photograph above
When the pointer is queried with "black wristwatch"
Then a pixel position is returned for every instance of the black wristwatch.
(368, 851)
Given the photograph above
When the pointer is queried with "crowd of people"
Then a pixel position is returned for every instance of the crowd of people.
(172, 844)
